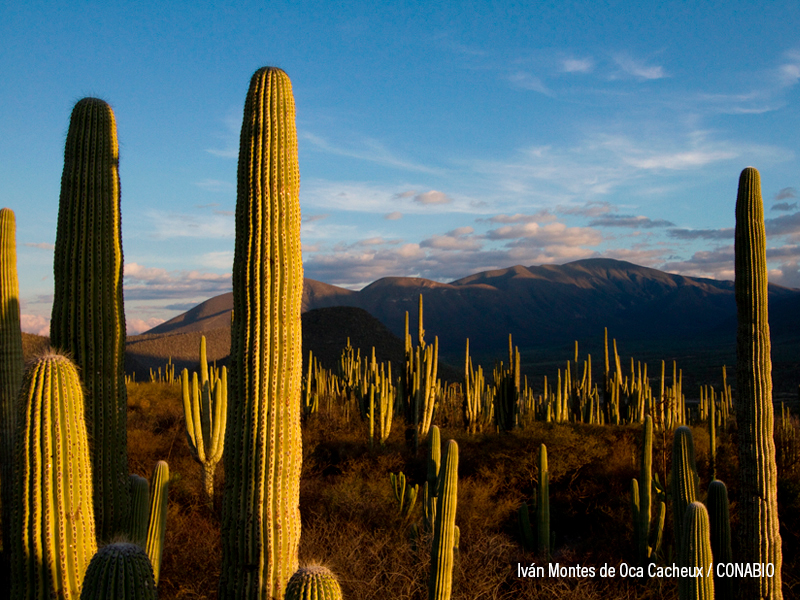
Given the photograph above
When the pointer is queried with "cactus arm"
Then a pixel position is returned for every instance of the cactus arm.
(156, 530)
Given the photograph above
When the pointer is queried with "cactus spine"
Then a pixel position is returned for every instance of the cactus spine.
(119, 571)
(759, 529)
(261, 513)
(695, 551)
(444, 533)
(88, 318)
(12, 367)
(52, 526)
(313, 583)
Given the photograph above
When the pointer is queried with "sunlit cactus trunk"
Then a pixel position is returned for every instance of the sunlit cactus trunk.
(759, 534)
(88, 318)
(12, 365)
(261, 515)
(52, 524)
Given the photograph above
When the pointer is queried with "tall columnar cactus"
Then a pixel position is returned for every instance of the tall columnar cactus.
(313, 583)
(119, 571)
(52, 523)
(261, 512)
(444, 533)
(685, 481)
(88, 318)
(758, 489)
(695, 553)
(430, 490)
(12, 366)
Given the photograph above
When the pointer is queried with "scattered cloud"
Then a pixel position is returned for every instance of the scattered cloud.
(547, 235)
(393, 216)
(313, 218)
(785, 193)
(784, 206)
(149, 283)
(636, 222)
(406, 194)
(432, 197)
(457, 239)
(42, 245)
(541, 216)
(701, 234)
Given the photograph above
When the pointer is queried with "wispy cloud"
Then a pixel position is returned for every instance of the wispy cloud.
(701, 234)
(371, 151)
(784, 206)
(787, 192)
(538, 217)
(636, 222)
(639, 69)
(577, 65)
(393, 216)
(789, 71)
(314, 218)
(40, 245)
(164, 225)
(528, 81)
(216, 185)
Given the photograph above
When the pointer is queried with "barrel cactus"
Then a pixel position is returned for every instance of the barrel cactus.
(313, 582)
(52, 516)
(119, 571)
(261, 512)
(88, 319)
(760, 538)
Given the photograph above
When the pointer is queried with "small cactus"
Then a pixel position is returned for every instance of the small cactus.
(695, 552)
(313, 583)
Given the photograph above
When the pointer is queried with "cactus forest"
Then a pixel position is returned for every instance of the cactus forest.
(276, 476)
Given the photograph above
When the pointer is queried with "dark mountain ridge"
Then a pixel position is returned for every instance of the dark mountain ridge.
(540, 306)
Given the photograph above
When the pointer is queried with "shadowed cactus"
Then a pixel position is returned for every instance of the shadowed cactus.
(12, 366)
(263, 450)
(760, 538)
(88, 318)
(685, 481)
(52, 524)
(313, 583)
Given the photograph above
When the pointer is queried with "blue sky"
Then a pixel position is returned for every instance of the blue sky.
(433, 141)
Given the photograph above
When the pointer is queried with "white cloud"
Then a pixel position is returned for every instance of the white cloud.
(134, 326)
(35, 324)
(147, 283)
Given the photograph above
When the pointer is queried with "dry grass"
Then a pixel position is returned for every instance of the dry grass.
(350, 522)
